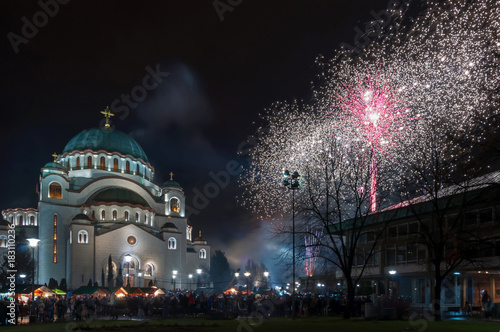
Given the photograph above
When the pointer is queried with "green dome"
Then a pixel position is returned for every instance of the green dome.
(171, 183)
(53, 164)
(110, 140)
(118, 195)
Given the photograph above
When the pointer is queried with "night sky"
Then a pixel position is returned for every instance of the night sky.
(221, 75)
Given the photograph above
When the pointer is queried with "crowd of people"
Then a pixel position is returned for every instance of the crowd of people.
(190, 304)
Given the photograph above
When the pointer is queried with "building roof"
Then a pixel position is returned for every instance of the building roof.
(107, 139)
(118, 195)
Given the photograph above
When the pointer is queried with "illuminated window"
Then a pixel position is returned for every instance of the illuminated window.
(115, 165)
(55, 238)
(172, 243)
(70, 236)
(103, 163)
(203, 254)
(32, 220)
(55, 190)
(83, 237)
(131, 240)
(3, 241)
(127, 167)
(77, 162)
(89, 162)
(103, 215)
(126, 215)
(137, 217)
(115, 213)
(20, 220)
(175, 205)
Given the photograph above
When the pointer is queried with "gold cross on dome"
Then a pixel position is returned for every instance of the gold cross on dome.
(171, 176)
(107, 114)
(55, 156)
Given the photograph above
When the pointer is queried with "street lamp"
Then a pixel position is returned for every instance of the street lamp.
(247, 274)
(128, 258)
(198, 272)
(33, 243)
(266, 274)
(22, 276)
(190, 276)
(292, 182)
(391, 289)
(174, 275)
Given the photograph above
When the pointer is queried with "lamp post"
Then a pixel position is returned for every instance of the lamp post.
(266, 275)
(128, 258)
(174, 275)
(33, 243)
(247, 274)
(198, 272)
(190, 276)
(22, 276)
(391, 289)
(292, 182)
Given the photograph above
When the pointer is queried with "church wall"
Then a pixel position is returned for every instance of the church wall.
(82, 256)
(148, 249)
(49, 269)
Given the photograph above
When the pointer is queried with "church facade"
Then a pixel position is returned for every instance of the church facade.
(97, 200)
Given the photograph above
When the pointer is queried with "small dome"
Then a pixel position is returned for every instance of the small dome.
(169, 225)
(81, 216)
(4, 224)
(199, 238)
(171, 183)
(55, 165)
(110, 140)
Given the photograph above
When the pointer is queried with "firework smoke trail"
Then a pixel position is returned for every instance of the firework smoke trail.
(311, 241)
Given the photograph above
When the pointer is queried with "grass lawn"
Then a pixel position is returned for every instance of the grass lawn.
(259, 325)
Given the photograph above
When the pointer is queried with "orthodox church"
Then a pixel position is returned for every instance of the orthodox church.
(98, 199)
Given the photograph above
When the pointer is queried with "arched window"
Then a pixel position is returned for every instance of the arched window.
(115, 164)
(103, 215)
(146, 216)
(103, 163)
(89, 162)
(77, 162)
(32, 220)
(115, 214)
(172, 243)
(203, 254)
(83, 237)
(55, 190)
(93, 215)
(137, 217)
(127, 166)
(148, 270)
(126, 215)
(3, 241)
(137, 171)
(175, 205)
(70, 236)
(20, 220)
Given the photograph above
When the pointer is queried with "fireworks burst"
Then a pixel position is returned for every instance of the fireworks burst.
(413, 89)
